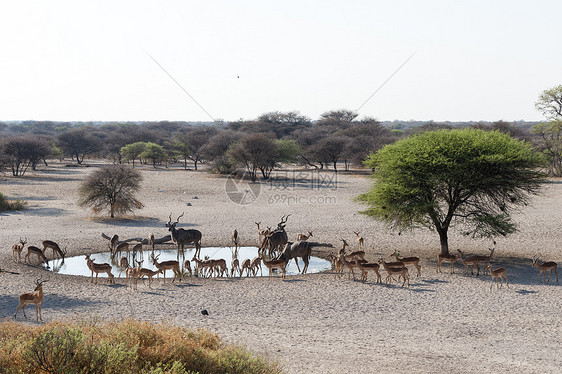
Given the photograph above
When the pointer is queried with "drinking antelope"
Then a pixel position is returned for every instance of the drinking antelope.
(32, 250)
(55, 247)
(150, 241)
(35, 297)
(99, 268)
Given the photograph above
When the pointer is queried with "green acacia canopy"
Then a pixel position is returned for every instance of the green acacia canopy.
(441, 178)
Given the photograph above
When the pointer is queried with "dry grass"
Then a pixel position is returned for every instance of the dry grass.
(126, 347)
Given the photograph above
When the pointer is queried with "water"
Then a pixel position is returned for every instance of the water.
(77, 265)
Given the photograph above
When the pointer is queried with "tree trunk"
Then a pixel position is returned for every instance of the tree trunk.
(195, 164)
(443, 238)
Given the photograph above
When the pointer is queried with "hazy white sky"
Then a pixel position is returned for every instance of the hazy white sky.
(474, 60)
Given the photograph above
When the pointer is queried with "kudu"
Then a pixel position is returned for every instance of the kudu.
(276, 240)
(302, 249)
(182, 237)
(35, 297)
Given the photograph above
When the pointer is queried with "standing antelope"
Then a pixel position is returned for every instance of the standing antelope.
(167, 265)
(497, 273)
(544, 267)
(182, 237)
(304, 237)
(113, 244)
(35, 297)
(55, 247)
(277, 239)
(17, 249)
(235, 266)
(408, 261)
(365, 267)
(99, 268)
(469, 261)
(403, 271)
(235, 240)
(150, 241)
(359, 239)
(123, 264)
(255, 265)
(32, 250)
(187, 267)
(446, 258)
(485, 259)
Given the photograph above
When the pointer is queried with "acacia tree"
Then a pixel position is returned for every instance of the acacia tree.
(441, 178)
(21, 152)
(550, 132)
(78, 143)
(255, 152)
(113, 187)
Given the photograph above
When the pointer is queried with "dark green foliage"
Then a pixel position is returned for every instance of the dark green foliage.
(445, 177)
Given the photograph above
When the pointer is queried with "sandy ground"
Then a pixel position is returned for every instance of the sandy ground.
(311, 323)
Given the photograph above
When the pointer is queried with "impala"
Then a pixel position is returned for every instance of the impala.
(408, 261)
(35, 297)
(17, 249)
(32, 250)
(402, 271)
(55, 248)
(544, 267)
(167, 265)
(275, 264)
(497, 273)
(99, 268)
(446, 258)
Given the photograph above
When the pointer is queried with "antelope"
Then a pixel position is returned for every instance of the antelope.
(182, 237)
(123, 264)
(137, 248)
(365, 267)
(37, 252)
(201, 265)
(220, 265)
(235, 266)
(99, 268)
(262, 234)
(337, 265)
(446, 258)
(17, 249)
(275, 264)
(349, 265)
(469, 261)
(341, 251)
(187, 267)
(278, 238)
(150, 241)
(113, 244)
(302, 249)
(132, 274)
(235, 240)
(544, 267)
(359, 239)
(485, 259)
(122, 247)
(497, 273)
(408, 261)
(35, 297)
(304, 237)
(357, 254)
(55, 247)
(144, 272)
(167, 265)
(246, 264)
(255, 265)
(403, 271)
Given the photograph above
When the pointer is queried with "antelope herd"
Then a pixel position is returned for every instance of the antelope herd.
(274, 252)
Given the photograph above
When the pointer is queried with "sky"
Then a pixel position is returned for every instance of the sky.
(230, 60)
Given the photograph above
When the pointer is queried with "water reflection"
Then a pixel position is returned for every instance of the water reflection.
(77, 265)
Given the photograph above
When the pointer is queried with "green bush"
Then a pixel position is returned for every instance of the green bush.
(6, 204)
(126, 347)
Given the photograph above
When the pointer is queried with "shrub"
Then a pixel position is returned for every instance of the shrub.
(126, 347)
(6, 204)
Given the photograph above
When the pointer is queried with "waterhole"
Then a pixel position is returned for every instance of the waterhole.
(77, 265)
